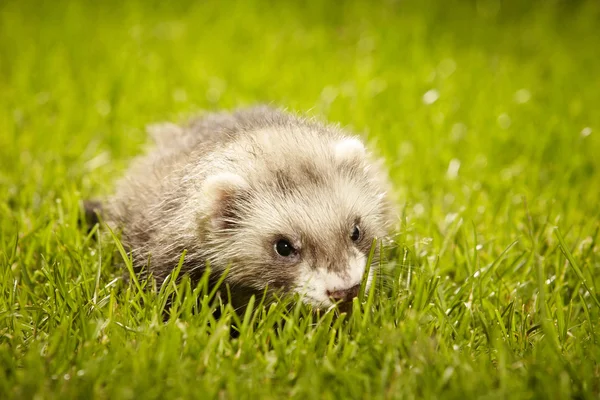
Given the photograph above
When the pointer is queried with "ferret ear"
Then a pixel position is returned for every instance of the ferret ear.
(219, 192)
(349, 151)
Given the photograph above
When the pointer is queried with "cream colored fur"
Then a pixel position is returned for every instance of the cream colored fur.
(226, 187)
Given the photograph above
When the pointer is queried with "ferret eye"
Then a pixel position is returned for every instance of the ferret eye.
(355, 233)
(284, 248)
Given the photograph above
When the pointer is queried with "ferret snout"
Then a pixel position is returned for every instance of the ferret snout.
(344, 295)
(325, 287)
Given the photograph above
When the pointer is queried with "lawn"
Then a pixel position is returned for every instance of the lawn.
(487, 113)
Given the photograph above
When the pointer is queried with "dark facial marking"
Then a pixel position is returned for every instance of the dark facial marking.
(308, 170)
(284, 181)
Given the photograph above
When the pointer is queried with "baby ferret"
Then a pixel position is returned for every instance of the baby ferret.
(284, 203)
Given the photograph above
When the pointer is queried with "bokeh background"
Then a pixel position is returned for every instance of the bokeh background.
(486, 112)
(502, 89)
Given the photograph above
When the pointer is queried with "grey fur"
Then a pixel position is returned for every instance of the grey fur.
(292, 185)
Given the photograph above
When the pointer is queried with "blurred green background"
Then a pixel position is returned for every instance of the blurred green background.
(507, 88)
(485, 111)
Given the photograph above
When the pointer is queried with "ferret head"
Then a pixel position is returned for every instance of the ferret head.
(299, 216)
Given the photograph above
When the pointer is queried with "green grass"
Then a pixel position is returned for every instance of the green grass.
(497, 261)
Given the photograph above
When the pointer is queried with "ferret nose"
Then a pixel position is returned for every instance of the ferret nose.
(344, 295)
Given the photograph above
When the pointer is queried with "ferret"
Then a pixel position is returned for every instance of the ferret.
(283, 203)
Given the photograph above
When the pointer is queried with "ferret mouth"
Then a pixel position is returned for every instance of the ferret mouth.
(325, 306)
(340, 299)
(344, 295)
